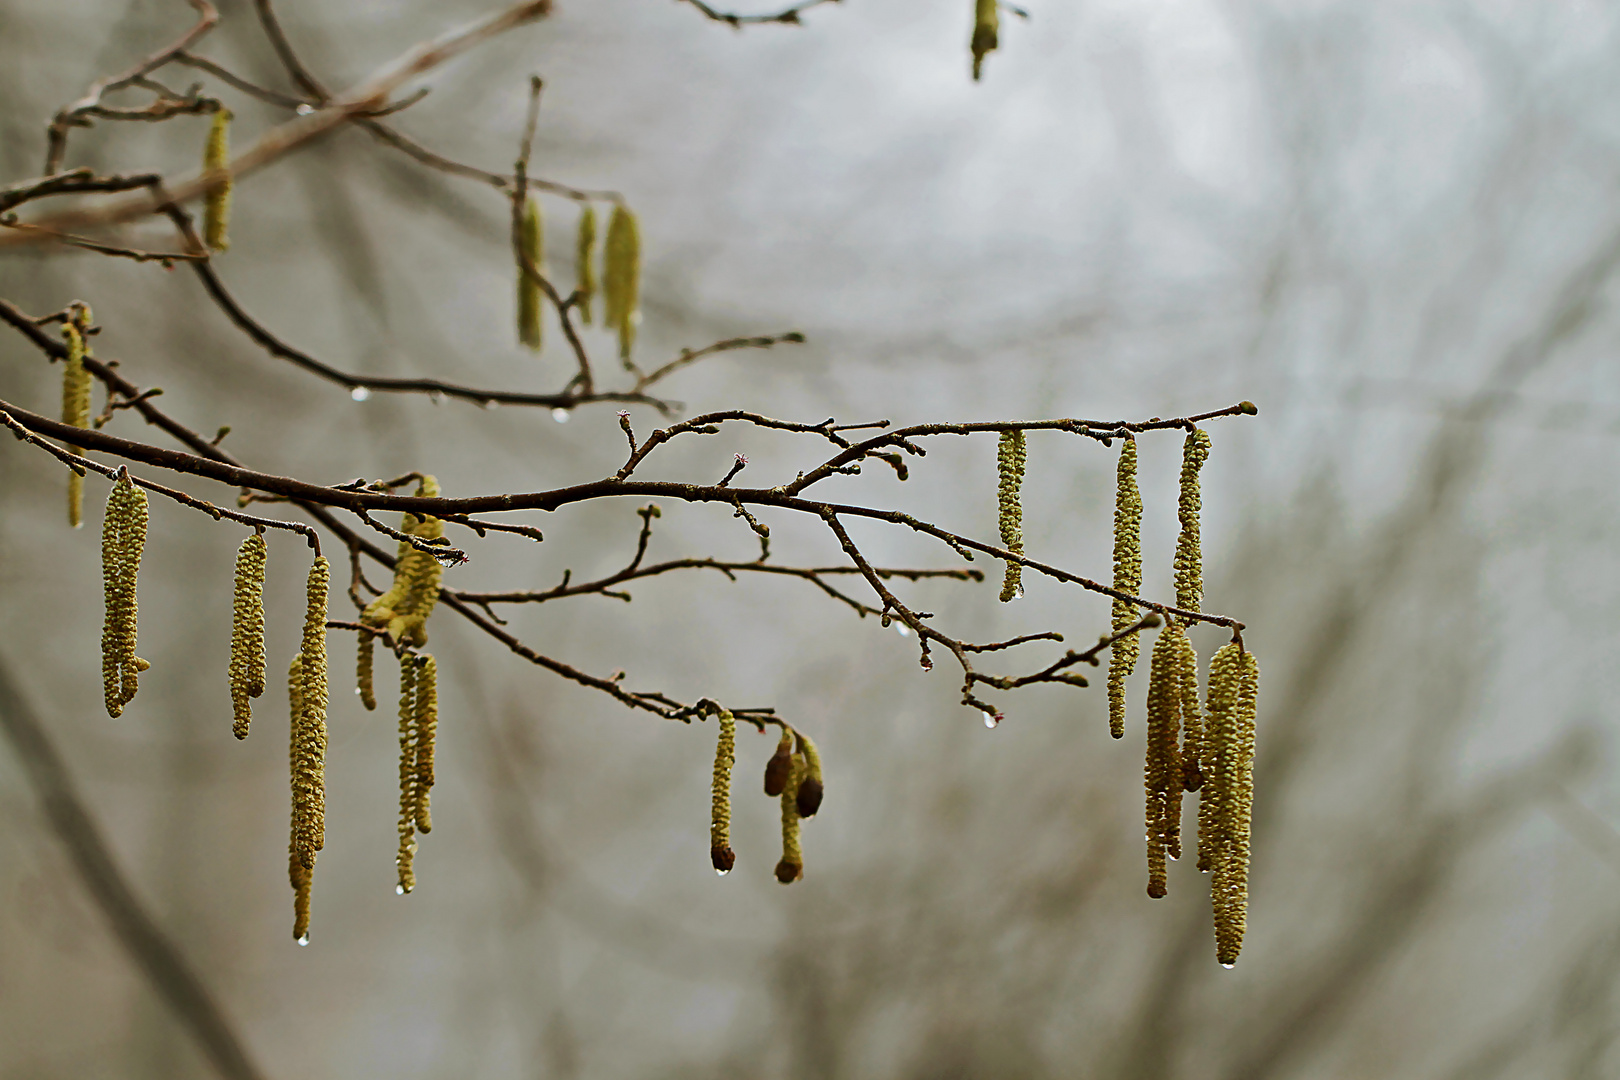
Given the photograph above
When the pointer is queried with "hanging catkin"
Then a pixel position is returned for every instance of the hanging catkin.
(808, 799)
(217, 205)
(780, 768)
(585, 262)
(1162, 772)
(1123, 653)
(123, 539)
(1192, 715)
(407, 775)
(791, 867)
(1229, 794)
(986, 17)
(528, 293)
(247, 632)
(1010, 470)
(1189, 558)
(621, 278)
(725, 755)
(75, 411)
(299, 875)
(309, 753)
(403, 610)
(426, 730)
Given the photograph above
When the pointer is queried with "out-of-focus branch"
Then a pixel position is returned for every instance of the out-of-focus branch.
(156, 956)
(787, 16)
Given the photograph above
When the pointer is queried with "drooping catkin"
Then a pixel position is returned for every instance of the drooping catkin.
(301, 877)
(247, 632)
(309, 767)
(725, 755)
(791, 866)
(1233, 808)
(426, 726)
(621, 278)
(1122, 654)
(123, 539)
(986, 17)
(299, 874)
(1192, 715)
(75, 411)
(780, 767)
(528, 292)
(217, 205)
(1162, 771)
(585, 262)
(407, 775)
(402, 611)
(808, 799)
(1189, 558)
(1224, 675)
(1010, 470)
(364, 678)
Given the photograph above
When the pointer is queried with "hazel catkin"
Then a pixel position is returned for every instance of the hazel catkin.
(247, 632)
(402, 611)
(791, 866)
(585, 262)
(532, 241)
(123, 539)
(1010, 470)
(725, 755)
(407, 775)
(1229, 794)
(217, 204)
(1122, 654)
(986, 19)
(300, 872)
(621, 278)
(780, 767)
(75, 411)
(1192, 716)
(426, 725)
(309, 753)
(808, 799)
(1162, 771)
(1189, 558)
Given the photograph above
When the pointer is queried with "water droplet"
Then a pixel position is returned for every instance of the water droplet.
(990, 721)
(360, 393)
(305, 939)
(560, 415)
(1174, 858)
(399, 890)
(436, 396)
(357, 691)
(902, 629)
(721, 873)
(304, 110)
(491, 403)
(1228, 967)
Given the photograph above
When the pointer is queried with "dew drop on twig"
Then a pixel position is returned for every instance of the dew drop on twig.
(560, 415)
(360, 393)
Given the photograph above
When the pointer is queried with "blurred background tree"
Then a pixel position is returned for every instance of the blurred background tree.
(1392, 225)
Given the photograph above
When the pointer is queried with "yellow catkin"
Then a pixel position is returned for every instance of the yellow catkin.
(364, 680)
(75, 411)
(1189, 559)
(403, 610)
(986, 19)
(725, 755)
(1218, 741)
(585, 262)
(217, 206)
(247, 632)
(1229, 884)
(1010, 469)
(533, 239)
(426, 727)
(780, 767)
(621, 278)
(1122, 655)
(309, 769)
(123, 539)
(1192, 715)
(791, 867)
(808, 799)
(407, 775)
(299, 874)
(1162, 772)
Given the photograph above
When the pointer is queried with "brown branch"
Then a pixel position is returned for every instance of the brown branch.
(787, 16)
(153, 952)
(692, 356)
(73, 182)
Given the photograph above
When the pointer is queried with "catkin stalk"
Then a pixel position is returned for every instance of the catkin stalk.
(725, 755)
(75, 411)
(528, 294)
(217, 204)
(1122, 654)
(621, 278)
(247, 632)
(1010, 469)
(585, 262)
(986, 20)
(426, 726)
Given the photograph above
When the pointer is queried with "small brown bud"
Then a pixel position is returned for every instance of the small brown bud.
(780, 767)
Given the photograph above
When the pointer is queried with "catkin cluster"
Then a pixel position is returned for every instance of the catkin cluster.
(621, 278)
(1010, 469)
(247, 632)
(532, 241)
(76, 409)
(986, 19)
(1123, 653)
(725, 755)
(418, 726)
(792, 776)
(217, 206)
(1228, 797)
(123, 539)
(585, 262)
(402, 612)
(1189, 559)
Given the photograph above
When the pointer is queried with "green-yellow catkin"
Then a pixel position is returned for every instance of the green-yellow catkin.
(1189, 558)
(1192, 715)
(1122, 654)
(528, 293)
(247, 632)
(123, 539)
(1162, 769)
(217, 205)
(426, 731)
(299, 874)
(986, 19)
(364, 681)
(780, 768)
(585, 262)
(725, 755)
(407, 775)
(808, 799)
(791, 867)
(1230, 791)
(309, 754)
(1218, 736)
(403, 610)
(1010, 469)
(621, 278)
(75, 411)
